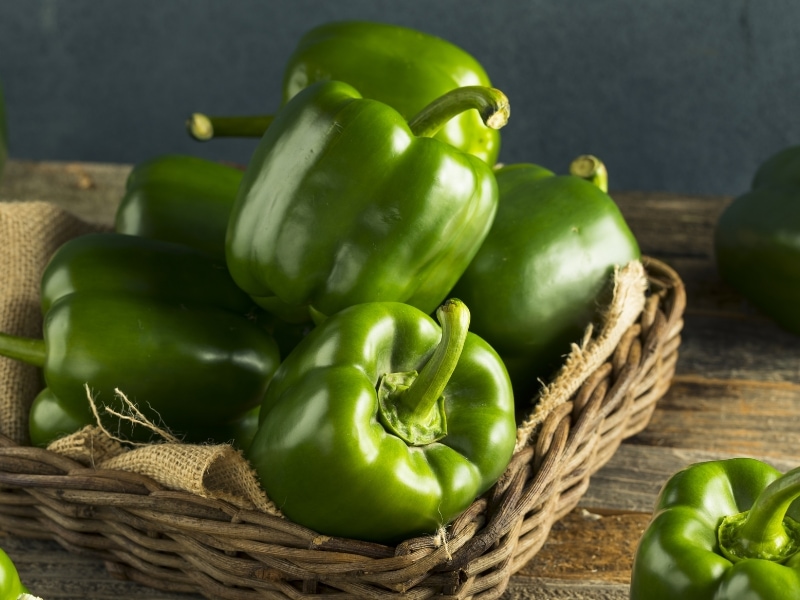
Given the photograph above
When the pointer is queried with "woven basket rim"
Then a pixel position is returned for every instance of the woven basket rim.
(181, 542)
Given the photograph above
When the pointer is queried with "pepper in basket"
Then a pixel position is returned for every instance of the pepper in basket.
(381, 425)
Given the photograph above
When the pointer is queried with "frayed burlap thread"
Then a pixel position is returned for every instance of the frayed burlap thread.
(627, 303)
(30, 232)
(89, 446)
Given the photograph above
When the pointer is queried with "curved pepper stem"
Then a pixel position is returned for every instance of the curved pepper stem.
(412, 405)
(765, 531)
(491, 103)
(591, 169)
(203, 127)
(28, 350)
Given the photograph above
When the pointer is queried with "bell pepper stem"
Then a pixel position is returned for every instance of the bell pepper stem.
(204, 127)
(764, 531)
(428, 387)
(412, 405)
(591, 169)
(491, 104)
(27, 350)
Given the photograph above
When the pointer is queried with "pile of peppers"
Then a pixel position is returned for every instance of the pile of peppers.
(364, 309)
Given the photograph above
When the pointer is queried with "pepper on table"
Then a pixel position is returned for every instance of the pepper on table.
(757, 240)
(399, 66)
(722, 530)
(345, 202)
(545, 269)
(381, 426)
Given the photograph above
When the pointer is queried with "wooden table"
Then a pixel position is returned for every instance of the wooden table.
(736, 393)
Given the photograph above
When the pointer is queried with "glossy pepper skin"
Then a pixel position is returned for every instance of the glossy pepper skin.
(179, 198)
(147, 280)
(190, 367)
(722, 530)
(140, 266)
(757, 240)
(398, 66)
(133, 265)
(354, 443)
(10, 585)
(48, 420)
(345, 202)
(540, 275)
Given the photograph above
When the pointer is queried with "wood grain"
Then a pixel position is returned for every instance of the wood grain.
(90, 190)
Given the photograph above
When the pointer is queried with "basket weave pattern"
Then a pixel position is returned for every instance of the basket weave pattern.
(177, 541)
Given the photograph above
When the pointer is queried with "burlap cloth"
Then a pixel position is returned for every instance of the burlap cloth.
(32, 231)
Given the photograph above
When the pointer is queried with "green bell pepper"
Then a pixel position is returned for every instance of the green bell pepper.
(140, 266)
(782, 168)
(345, 202)
(3, 134)
(180, 198)
(157, 278)
(49, 420)
(398, 66)
(11, 587)
(541, 274)
(189, 366)
(381, 426)
(757, 240)
(722, 530)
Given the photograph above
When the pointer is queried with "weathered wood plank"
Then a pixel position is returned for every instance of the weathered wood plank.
(716, 346)
(586, 545)
(631, 480)
(545, 589)
(670, 224)
(90, 190)
(757, 418)
(53, 573)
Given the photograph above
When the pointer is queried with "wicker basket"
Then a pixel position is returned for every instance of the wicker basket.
(177, 541)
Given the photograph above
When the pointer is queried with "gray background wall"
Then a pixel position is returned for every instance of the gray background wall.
(677, 95)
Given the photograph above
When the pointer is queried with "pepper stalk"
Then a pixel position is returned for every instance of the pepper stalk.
(591, 169)
(765, 531)
(203, 127)
(411, 404)
(491, 104)
(28, 350)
